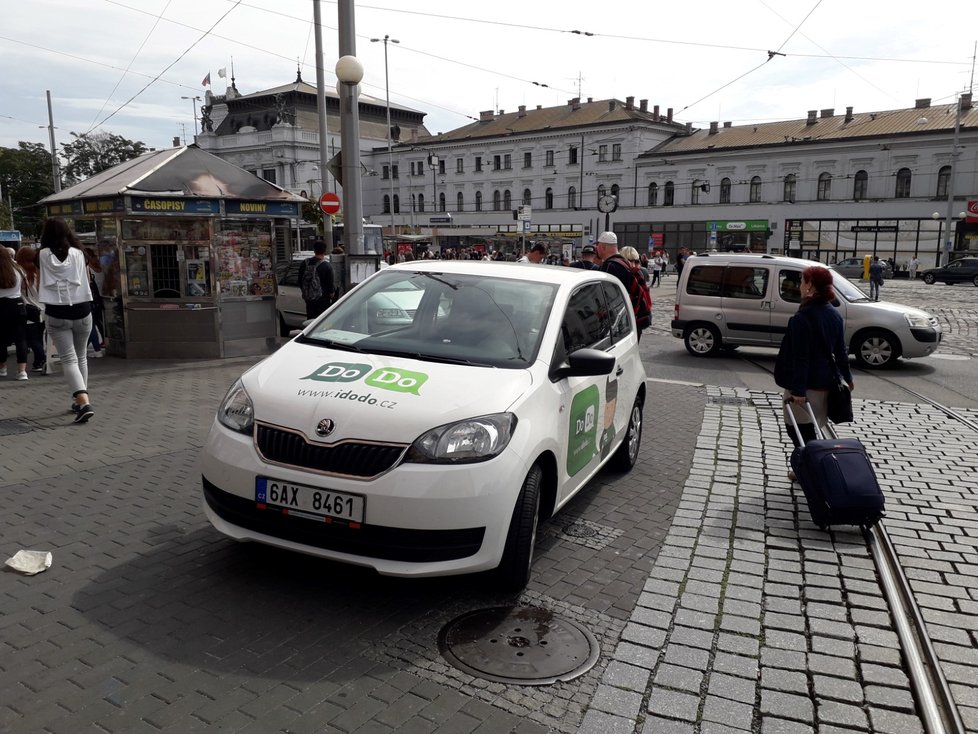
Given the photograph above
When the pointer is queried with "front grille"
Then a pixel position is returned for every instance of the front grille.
(370, 541)
(349, 459)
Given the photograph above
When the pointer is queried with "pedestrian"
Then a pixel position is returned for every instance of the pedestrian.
(67, 300)
(97, 337)
(681, 258)
(656, 270)
(27, 259)
(614, 263)
(316, 281)
(914, 264)
(535, 254)
(875, 279)
(13, 313)
(812, 352)
(588, 261)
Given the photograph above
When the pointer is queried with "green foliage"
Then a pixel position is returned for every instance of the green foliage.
(25, 174)
(87, 155)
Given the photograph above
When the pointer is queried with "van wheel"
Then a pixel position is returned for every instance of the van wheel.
(627, 454)
(513, 571)
(702, 340)
(929, 279)
(875, 349)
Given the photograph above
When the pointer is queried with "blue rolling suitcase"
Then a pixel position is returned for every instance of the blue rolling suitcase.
(838, 480)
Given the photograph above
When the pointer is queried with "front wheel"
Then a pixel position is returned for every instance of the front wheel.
(929, 279)
(875, 349)
(513, 571)
(627, 454)
(975, 281)
(702, 340)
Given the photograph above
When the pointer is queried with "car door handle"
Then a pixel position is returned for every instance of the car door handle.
(620, 371)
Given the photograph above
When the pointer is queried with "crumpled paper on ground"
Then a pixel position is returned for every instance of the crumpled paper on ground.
(30, 562)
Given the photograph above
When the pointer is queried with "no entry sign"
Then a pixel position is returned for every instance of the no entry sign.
(329, 202)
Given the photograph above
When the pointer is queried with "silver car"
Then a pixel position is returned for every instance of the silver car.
(853, 268)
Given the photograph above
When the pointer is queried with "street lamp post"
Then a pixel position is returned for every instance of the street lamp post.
(390, 149)
(349, 71)
(195, 100)
(948, 236)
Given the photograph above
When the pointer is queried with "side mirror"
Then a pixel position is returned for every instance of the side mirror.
(585, 363)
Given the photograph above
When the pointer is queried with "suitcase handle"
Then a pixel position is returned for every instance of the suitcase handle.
(811, 412)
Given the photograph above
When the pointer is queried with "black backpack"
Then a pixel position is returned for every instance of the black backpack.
(311, 286)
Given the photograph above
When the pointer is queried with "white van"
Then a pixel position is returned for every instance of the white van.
(725, 301)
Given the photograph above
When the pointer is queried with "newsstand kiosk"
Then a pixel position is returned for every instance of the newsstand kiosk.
(188, 245)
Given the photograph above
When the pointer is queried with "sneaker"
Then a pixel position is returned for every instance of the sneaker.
(792, 476)
(22, 375)
(3, 371)
(75, 407)
(100, 353)
(85, 412)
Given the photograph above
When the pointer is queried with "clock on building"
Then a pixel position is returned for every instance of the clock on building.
(607, 203)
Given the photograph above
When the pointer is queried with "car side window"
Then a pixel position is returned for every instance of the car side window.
(789, 286)
(705, 280)
(742, 281)
(619, 309)
(586, 322)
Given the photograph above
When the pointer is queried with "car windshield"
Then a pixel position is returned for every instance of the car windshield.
(440, 317)
(845, 289)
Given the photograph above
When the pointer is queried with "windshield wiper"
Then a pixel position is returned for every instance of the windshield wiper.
(424, 357)
(441, 280)
(328, 343)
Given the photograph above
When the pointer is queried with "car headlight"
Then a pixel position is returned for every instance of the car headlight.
(236, 411)
(464, 442)
(919, 322)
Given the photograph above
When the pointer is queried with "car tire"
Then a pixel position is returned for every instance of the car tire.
(875, 349)
(929, 279)
(626, 455)
(702, 340)
(975, 281)
(513, 571)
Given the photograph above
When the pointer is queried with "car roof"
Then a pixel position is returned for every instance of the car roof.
(557, 274)
(726, 258)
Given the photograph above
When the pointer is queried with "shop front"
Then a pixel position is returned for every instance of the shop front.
(187, 245)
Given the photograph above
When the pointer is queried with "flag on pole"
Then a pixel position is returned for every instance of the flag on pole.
(222, 72)
(207, 80)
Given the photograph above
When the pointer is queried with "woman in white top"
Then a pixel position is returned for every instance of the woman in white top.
(67, 300)
(13, 316)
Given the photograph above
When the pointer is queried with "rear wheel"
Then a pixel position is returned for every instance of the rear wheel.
(875, 349)
(702, 340)
(627, 454)
(513, 572)
(929, 278)
(975, 281)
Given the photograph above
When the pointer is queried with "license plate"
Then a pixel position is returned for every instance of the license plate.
(298, 499)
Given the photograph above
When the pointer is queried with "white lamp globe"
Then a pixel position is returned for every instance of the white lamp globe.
(349, 70)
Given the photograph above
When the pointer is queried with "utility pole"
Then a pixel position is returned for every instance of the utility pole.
(321, 104)
(55, 166)
(948, 221)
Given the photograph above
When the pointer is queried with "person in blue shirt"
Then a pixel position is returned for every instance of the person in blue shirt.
(875, 279)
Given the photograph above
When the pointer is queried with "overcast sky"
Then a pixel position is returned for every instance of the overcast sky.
(122, 66)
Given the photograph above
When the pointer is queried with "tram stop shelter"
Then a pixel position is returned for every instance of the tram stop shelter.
(188, 246)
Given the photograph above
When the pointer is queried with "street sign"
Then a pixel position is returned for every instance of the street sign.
(329, 202)
(440, 220)
(524, 213)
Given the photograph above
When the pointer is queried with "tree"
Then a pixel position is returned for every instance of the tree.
(94, 153)
(25, 174)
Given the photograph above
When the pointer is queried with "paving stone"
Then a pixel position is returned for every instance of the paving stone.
(783, 658)
(894, 722)
(832, 665)
(656, 725)
(838, 689)
(894, 698)
(739, 665)
(736, 689)
(772, 725)
(723, 710)
(617, 701)
(600, 722)
(786, 681)
(674, 676)
(842, 714)
(673, 704)
(786, 706)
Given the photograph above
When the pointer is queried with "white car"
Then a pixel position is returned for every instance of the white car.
(432, 446)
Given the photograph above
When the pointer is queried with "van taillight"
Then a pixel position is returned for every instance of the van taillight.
(675, 312)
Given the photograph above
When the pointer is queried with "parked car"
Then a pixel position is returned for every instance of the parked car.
(726, 301)
(432, 446)
(852, 267)
(964, 270)
(289, 305)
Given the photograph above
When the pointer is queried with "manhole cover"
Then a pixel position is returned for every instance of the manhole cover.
(580, 530)
(521, 645)
(12, 426)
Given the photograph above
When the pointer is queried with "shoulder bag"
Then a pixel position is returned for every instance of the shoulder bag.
(839, 402)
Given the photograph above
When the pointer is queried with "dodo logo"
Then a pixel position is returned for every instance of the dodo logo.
(386, 378)
(339, 372)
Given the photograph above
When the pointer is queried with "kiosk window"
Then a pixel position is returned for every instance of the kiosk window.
(166, 271)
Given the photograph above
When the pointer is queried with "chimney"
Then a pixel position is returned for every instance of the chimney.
(522, 111)
(812, 114)
(713, 128)
(176, 141)
(485, 115)
(539, 106)
(922, 103)
(611, 105)
(728, 123)
(966, 101)
(502, 112)
(669, 114)
(629, 103)
(848, 114)
(689, 128)
(590, 100)
(575, 103)
(827, 112)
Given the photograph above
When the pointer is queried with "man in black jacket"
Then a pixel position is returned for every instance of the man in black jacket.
(324, 271)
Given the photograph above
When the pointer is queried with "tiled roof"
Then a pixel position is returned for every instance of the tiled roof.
(543, 119)
(831, 127)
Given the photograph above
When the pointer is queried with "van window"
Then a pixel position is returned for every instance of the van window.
(705, 280)
(789, 286)
(745, 282)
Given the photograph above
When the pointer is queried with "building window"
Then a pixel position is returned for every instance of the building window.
(459, 202)
(496, 162)
(268, 174)
(824, 192)
(549, 199)
(601, 192)
(414, 203)
(528, 160)
(860, 185)
(903, 183)
(478, 201)
(441, 202)
(572, 198)
(478, 163)
(653, 194)
(441, 166)
(507, 200)
(694, 193)
(790, 186)
(394, 170)
(549, 158)
(602, 153)
(397, 204)
(387, 204)
(615, 192)
(496, 200)
(943, 181)
(527, 197)
(755, 190)
(507, 162)
(459, 165)
(572, 156)
(724, 190)
(616, 152)
(669, 195)
(385, 172)
(421, 202)
(412, 168)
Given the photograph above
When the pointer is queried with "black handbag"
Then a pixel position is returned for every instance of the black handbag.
(33, 313)
(839, 402)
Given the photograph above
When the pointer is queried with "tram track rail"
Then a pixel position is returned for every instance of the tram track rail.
(932, 692)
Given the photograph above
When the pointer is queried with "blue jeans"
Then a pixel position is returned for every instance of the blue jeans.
(874, 290)
(70, 337)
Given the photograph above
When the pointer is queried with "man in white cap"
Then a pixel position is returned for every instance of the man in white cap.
(613, 263)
